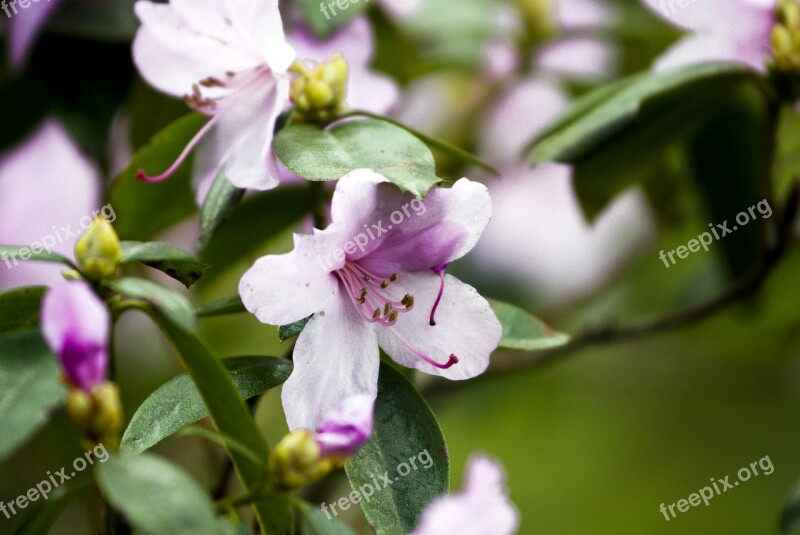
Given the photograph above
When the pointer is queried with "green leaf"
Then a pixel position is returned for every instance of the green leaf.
(790, 516)
(155, 495)
(325, 23)
(286, 332)
(523, 332)
(143, 210)
(391, 151)
(600, 115)
(178, 403)
(174, 261)
(171, 304)
(19, 308)
(226, 409)
(405, 428)
(12, 255)
(220, 201)
(29, 387)
(313, 521)
(223, 307)
(255, 221)
(223, 440)
(41, 519)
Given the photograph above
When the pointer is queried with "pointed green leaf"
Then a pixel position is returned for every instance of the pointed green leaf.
(286, 332)
(314, 521)
(19, 308)
(29, 387)
(174, 261)
(12, 255)
(391, 151)
(171, 304)
(220, 201)
(177, 403)
(405, 428)
(155, 495)
(223, 307)
(523, 332)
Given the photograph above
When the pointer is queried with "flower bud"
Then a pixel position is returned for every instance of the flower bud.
(538, 18)
(297, 460)
(98, 251)
(319, 91)
(97, 414)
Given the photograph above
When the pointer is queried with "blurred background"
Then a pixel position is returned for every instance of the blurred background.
(594, 441)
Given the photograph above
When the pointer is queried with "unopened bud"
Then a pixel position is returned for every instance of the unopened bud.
(97, 414)
(98, 251)
(319, 91)
(297, 460)
(538, 17)
(79, 407)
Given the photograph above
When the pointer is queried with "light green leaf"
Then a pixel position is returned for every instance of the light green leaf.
(523, 332)
(174, 261)
(171, 304)
(156, 496)
(220, 201)
(391, 151)
(178, 403)
(12, 255)
(19, 309)
(405, 429)
(143, 210)
(325, 23)
(313, 521)
(29, 387)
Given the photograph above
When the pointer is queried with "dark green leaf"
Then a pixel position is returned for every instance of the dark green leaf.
(19, 309)
(174, 261)
(391, 151)
(313, 521)
(171, 304)
(522, 331)
(219, 203)
(790, 516)
(143, 210)
(405, 428)
(155, 495)
(177, 403)
(12, 255)
(286, 332)
(224, 307)
(29, 387)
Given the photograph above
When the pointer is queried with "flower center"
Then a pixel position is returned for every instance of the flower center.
(375, 303)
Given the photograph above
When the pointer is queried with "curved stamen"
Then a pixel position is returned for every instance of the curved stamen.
(439, 270)
(450, 361)
(141, 175)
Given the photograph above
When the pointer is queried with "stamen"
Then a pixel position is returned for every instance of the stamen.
(141, 175)
(439, 270)
(385, 284)
(394, 277)
(452, 360)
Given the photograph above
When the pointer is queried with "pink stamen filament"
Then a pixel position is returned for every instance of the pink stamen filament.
(141, 175)
(450, 361)
(438, 297)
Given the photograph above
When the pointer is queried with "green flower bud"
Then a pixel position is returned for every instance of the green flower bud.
(98, 251)
(79, 407)
(97, 414)
(538, 18)
(319, 92)
(297, 461)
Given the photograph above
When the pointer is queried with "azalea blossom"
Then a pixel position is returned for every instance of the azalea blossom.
(372, 278)
(228, 61)
(66, 192)
(482, 507)
(347, 427)
(720, 30)
(76, 325)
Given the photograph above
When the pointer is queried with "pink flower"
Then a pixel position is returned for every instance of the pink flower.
(229, 61)
(375, 277)
(347, 427)
(366, 89)
(482, 507)
(47, 188)
(76, 325)
(721, 30)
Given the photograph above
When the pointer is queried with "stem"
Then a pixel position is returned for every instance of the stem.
(317, 193)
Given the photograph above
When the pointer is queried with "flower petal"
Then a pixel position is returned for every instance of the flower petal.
(482, 507)
(24, 28)
(580, 57)
(336, 357)
(76, 325)
(283, 289)
(348, 427)
(709, 14)
(705, 47)
(442, 228)
(465, 327)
